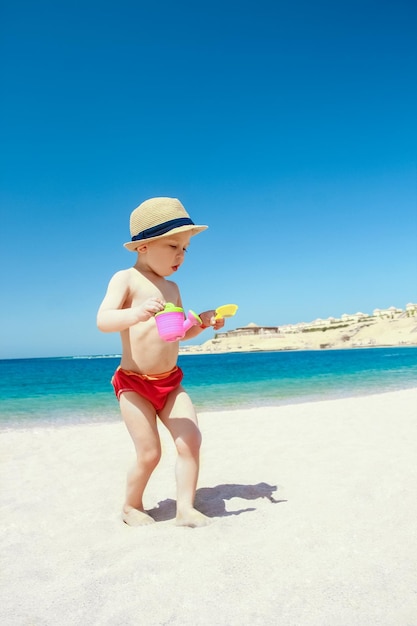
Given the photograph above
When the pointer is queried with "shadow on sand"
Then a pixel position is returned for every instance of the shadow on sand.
(212, 500)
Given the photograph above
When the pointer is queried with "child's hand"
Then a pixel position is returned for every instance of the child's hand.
(149, 308)
(209, 319)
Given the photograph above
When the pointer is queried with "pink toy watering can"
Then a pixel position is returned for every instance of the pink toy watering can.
(172, 324)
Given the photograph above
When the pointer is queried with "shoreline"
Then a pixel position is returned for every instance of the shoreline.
(184, 351)
(313, 509)
(229, 382)
(378, 333)
(240, 406)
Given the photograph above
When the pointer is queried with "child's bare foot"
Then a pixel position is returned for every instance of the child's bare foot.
(192, 518)
(133, 517)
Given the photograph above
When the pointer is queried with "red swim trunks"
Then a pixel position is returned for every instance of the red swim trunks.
(154, 388)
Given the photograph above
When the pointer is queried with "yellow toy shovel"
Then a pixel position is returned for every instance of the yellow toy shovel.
(226, 310)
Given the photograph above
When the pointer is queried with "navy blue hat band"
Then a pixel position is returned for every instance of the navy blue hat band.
(163, 228)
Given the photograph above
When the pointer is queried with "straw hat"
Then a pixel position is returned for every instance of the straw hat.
(159, 217)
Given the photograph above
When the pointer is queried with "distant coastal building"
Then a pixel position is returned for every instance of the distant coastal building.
(251, 329)
(353, 317)
(390, 313)
(318, 322)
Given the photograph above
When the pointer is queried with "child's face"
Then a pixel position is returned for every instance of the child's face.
(164, 256)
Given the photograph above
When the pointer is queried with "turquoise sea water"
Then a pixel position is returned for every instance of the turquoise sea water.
(72, 390)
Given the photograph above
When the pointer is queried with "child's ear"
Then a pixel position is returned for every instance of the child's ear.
(142, 248)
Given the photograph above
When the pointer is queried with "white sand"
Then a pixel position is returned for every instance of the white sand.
(337, 548)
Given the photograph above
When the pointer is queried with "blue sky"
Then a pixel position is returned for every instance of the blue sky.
(289, 128)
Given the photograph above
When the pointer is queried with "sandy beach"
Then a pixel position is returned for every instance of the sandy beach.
(314, 522)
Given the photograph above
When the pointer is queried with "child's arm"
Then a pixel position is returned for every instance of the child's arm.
(112, 317)
(209, 320)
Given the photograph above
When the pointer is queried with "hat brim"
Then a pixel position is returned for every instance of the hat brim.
(192, 229)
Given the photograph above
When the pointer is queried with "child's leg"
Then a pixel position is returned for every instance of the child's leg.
(140, 419)
(180, 418)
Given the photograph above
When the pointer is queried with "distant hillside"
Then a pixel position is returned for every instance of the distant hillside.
(366, 331)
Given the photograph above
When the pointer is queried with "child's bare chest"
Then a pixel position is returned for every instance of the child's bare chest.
(141, 289)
